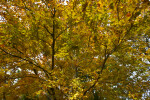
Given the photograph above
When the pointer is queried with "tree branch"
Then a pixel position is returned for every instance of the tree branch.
(103, 66)
(46, 72)
(105, 60)
(118, 10)
(61, 33)
(48, 31)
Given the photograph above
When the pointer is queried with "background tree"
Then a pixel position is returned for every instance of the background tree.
(80, 49)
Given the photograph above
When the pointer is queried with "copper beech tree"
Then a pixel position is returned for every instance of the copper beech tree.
(74, 50)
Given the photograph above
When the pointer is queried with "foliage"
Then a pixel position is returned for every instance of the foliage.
(76, 49)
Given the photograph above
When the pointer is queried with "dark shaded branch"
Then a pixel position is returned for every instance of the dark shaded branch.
(61, 32)
(53, 51)
(4, 96)
(91, 86)
(45, 42)
(105, 59)
(133, 15)
(17, 49)
(48, 31)
(103, 66)
(27, 7)
(118, 10)
(46, 72)
(53, 44)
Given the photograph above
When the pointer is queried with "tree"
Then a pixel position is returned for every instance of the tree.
(80, 49)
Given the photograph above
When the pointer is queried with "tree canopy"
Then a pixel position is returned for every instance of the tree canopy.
(75, 49)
